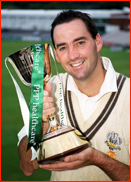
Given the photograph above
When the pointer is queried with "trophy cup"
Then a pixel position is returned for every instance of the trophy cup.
(60, 140)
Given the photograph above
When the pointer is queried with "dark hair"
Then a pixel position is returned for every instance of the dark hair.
(69, 15)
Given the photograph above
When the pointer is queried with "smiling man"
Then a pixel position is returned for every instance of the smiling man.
(97, 104)
(78, 54)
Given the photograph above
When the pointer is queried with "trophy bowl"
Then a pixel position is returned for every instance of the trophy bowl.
(22, 62)
(60, 140)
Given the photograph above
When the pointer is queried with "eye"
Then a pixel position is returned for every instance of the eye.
(62, 48)
(81, 43)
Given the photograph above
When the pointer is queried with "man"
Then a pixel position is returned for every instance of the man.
(99, 100)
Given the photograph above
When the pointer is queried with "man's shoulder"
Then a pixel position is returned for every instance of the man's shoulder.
(123, 83)
(127, 79)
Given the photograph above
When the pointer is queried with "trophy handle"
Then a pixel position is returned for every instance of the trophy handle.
(47, 64)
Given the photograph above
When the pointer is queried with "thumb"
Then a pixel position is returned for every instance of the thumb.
(48, 87)
(71, 158)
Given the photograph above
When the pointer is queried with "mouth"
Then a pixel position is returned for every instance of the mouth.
(77, 64)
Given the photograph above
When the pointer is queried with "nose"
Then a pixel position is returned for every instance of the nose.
(73, 53)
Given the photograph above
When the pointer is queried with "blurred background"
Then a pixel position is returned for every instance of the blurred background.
(25, 23)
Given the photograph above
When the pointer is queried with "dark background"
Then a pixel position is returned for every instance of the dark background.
(65, 4)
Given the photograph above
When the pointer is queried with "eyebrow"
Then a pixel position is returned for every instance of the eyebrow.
(59, 45)
(75, 40)
(79, 38)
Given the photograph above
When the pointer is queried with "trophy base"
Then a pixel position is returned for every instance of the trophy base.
(58, 144)
(59, 157)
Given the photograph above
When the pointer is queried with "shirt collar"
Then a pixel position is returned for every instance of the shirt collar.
(109, 84)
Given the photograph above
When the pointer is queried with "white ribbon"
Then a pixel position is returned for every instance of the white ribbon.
(62, 115)
(22, 102)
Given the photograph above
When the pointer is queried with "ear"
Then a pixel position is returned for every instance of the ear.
(99, 42)
(57, 59)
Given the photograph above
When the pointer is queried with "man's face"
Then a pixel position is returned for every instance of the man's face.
(76, 50)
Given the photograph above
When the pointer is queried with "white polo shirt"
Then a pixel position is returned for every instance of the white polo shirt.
(89, 104)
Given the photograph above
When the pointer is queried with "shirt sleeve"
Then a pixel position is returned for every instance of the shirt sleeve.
(21, 134)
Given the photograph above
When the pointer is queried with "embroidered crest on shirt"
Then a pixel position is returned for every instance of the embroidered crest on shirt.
(113, 142)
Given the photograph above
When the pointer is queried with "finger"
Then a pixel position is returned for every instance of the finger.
(79, 156)
(53, 167)
(48, 87)
(44, 128)
(47, 105)
(61, 166)
(56, 162)
(46, 93)
(47, 112)
(71, 158)
(47, 99)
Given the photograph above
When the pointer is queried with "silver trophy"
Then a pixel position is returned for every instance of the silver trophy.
(59, 140)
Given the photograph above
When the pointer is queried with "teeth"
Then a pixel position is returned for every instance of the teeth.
(77, 64)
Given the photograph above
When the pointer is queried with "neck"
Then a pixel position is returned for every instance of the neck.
(91, 86)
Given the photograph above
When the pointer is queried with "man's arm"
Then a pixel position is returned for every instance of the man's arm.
(27, 166)
(114, 169)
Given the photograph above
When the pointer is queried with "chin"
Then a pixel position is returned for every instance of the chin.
(80, 78)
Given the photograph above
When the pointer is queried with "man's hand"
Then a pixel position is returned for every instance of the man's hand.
(113, 168)
(48, 105)
(27, 166)
(71, 162)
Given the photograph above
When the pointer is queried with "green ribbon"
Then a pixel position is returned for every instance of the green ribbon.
(36, 96)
